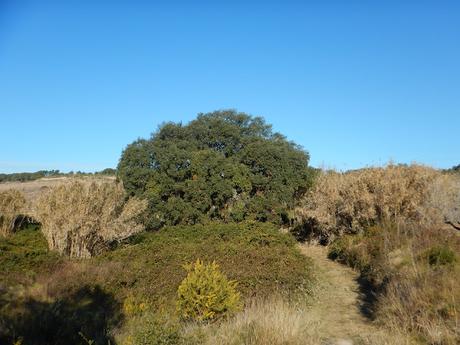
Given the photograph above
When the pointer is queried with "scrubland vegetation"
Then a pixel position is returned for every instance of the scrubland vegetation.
(138, 279)
(397, 226)
(415, 274)
(186, 248)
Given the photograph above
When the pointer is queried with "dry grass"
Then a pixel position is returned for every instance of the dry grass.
(341, 203)
(391, 225)
(417, 273)
(33, 189)
(423, 294)
(264, 322)
(12, 204)
(275, 321)
(81, 219)
(427, 303)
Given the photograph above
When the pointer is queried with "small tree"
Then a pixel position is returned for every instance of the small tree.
(223, 165)
(206, 294)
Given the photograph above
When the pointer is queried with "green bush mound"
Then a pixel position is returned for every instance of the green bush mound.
(257, 255)
(223, 165)
(64, 296)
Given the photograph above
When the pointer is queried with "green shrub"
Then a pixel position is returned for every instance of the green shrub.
(440, 255)
(206, 293)
(154, 329)
(25, 254)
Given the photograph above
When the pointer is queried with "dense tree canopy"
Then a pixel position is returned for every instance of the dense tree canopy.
(223, 165)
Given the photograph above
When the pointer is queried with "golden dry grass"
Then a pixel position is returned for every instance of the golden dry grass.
(276, 321)
(80, 219)
(350, 202)
(12, 204)
(272, 321)
(33, 189)
(427, 304)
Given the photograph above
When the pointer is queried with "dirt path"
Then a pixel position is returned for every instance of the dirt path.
(338, 305)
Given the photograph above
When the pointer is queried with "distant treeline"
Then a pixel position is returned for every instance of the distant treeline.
(455, 169)
(30, 176)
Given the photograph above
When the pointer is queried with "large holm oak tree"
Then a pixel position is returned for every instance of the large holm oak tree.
(223, 165)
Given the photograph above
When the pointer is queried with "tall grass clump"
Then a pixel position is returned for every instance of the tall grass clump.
(272, 321)
(81, 220)
(341, 203)
(12, 205)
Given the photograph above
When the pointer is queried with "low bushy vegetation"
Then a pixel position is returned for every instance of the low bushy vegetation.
(12, 206)
(152, 328)
(23, 256)
(224, 165)
(138, 279)
(80, 219)
(153, 264)
(206, 294)
(415, 273)
(342, 203)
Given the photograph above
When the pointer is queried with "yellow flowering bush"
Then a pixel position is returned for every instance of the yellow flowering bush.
(206, 294)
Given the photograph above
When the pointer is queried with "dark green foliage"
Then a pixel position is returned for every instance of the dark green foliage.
(224, 165)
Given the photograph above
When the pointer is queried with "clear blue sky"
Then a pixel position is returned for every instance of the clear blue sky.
(355, 84)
